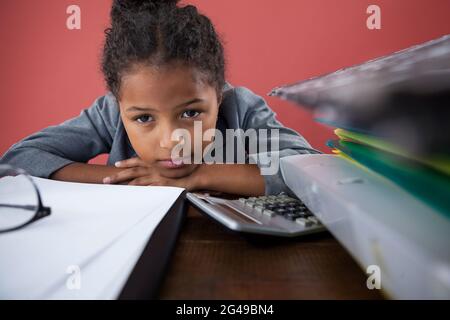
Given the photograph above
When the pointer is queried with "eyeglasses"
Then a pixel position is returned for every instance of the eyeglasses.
(20, 200)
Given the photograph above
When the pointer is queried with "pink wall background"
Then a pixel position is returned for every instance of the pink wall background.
(49, 73)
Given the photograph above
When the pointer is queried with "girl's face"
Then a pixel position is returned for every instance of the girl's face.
(154, 102)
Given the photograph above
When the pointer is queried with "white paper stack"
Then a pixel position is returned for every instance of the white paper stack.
(89, 244)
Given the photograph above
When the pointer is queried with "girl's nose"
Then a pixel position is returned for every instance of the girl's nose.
(165, 141)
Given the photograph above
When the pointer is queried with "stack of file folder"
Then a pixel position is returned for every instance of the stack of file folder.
(427, 178)
(392, 116)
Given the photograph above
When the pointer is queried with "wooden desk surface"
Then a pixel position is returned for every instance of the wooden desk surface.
(211, 262)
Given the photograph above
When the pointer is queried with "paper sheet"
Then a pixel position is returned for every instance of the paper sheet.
(101, 229)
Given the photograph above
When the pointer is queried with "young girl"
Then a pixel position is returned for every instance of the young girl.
(164, 67)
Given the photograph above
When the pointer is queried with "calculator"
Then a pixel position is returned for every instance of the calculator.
(276, 215)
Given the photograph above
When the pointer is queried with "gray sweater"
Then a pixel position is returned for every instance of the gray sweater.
(99, 130)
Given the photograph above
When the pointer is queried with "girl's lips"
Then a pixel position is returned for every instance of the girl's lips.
(169, 164)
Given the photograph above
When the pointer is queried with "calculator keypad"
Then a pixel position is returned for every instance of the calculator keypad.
(284, 206)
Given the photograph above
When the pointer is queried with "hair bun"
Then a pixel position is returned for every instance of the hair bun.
(121, 8)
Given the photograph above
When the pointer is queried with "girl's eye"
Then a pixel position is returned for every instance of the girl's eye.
(190, 114)
(144, 119)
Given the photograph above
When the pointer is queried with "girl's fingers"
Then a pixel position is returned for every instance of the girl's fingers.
(129, 163)
(154, 181)
(125, 175)
(143, 181)
(149, 180)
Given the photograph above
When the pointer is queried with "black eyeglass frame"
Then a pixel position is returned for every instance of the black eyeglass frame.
(41, 210)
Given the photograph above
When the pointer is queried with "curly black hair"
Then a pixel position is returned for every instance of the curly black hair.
(157, 33)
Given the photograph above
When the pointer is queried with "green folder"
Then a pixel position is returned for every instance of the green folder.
(422, 182)
(437, 162)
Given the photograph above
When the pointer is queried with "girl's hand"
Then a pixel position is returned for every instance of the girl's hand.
(138, 173)
(242, 179)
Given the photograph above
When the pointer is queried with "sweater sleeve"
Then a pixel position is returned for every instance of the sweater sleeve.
(76, 140)
(256, 114)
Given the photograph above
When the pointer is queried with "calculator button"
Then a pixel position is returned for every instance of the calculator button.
(314, 220)
(268, 213)
(304, 222)
(259, 208)
(280, 211)
(291, 204)
(308, 213)
(291, 216)
(302, 214)
(270, 206)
